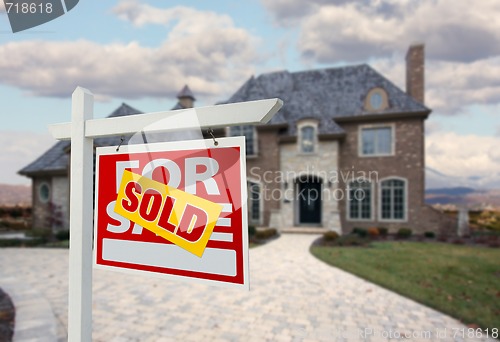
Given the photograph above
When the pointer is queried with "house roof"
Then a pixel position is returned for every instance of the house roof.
(185, 92)
(55, 160)
(325, 95)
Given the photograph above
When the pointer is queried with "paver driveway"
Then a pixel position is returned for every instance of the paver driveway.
(293, 297)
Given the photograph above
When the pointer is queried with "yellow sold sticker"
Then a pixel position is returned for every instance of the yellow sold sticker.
(182, 218)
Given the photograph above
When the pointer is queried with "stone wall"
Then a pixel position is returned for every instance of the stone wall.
(41, 209)
(60, 199)
(294, 164)
(54, 212)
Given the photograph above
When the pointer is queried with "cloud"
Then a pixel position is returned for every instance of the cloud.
(203, 49)
(450, 86)
(471, 157)
(351, 30)
(19, 148)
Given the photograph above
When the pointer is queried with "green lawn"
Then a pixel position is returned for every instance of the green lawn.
(462, 281)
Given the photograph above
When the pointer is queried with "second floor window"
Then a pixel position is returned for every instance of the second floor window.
(307, 139)
(376, 141)
(250, 137)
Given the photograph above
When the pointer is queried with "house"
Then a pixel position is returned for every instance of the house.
(345, 151)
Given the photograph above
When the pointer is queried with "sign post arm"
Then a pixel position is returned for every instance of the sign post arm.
(81, 190)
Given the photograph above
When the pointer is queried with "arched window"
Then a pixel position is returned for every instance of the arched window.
(250, 135)
(359, 204)
(393, 199)
(307, 139)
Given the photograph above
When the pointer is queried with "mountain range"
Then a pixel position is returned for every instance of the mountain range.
(436, 179)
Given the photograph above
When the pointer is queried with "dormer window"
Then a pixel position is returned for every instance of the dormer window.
(376, 100)
(307, 139)
(307, 131)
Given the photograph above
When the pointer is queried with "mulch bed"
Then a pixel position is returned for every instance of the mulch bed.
(7, 315)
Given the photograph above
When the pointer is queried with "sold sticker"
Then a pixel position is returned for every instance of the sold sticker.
(182, 218)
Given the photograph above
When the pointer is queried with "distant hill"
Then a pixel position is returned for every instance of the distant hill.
(469, 197)
(456, 191)
(11, 195)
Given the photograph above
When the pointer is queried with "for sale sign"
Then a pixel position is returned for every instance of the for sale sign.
(176, 210)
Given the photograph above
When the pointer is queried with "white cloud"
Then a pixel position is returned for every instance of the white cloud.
(351, 30)
(468, 157)
(203, 49)
(450, 86)
(462, 42)
(19, 148)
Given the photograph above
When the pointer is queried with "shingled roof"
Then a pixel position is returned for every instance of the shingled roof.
(55, 160)
(326, 95)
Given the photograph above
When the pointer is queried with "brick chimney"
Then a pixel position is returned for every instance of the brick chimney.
(186, 97)
(415, 72)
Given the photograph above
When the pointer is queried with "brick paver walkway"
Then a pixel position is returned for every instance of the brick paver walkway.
(293, 297)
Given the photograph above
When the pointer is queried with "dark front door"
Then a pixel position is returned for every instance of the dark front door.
(309, 201)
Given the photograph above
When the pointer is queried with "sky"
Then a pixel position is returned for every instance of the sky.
(143, 52)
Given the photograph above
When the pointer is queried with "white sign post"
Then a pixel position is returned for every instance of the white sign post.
(82, 130)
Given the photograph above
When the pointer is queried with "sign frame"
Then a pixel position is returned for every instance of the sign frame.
(227, 142)
(82, 130)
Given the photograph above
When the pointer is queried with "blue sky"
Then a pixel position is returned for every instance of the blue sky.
(143, 52)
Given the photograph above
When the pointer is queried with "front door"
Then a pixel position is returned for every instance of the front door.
(309, 201)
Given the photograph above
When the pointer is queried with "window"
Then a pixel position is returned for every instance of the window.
(360, 200)
(44, 192)
(377, 141)
(393, 199)
(254, 202)
(307, 139)
(250, 137)
(376, 100)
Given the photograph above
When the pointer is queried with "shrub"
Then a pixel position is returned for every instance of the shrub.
(265, 233)
(361, 232)
(373, 232)
(14, 224)
(494, 244)
(383, 231)
(404, 233)
(330, 236)
(458, 241)
(430, 235)
(19, 243)
(251, 230)
(62, 235)
(42, 235)
(351, 240)
(442, 238)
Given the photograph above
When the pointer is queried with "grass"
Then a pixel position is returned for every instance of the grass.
(461, 281)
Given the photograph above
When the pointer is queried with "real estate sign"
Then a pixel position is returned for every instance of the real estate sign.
(175, 210)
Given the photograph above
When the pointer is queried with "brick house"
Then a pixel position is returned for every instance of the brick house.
(346, 150)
